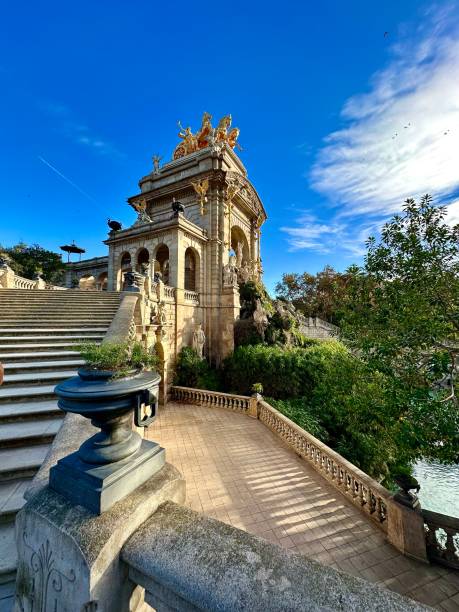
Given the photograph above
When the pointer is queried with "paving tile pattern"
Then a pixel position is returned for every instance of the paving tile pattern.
(241, 473)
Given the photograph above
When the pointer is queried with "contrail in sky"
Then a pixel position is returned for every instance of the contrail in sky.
(67, 179)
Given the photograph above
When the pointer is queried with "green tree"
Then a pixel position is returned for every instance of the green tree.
(28, 261)
(317, 295)
(402, 319)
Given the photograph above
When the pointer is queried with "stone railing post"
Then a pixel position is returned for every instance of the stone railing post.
(6, 275)
(253, 405)
(405, 530)
(39, 282)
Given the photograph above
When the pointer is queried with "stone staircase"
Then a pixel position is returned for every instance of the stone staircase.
(39, 333)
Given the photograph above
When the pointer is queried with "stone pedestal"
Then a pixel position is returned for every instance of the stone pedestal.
(405, 531)
(68, 558)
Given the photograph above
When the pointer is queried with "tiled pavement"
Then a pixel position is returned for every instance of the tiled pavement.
(239, 472)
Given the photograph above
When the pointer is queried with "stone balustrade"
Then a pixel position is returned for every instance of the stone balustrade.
(442, 534)
(24, 283)
(169, 292)
(191, 296)
(403, 527)
(364, 492)
(238, 403)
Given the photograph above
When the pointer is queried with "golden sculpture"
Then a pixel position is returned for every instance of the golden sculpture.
(206, 135)
(201, 188)
(140, 206)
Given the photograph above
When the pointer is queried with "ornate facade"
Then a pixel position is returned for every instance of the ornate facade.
(197, 231)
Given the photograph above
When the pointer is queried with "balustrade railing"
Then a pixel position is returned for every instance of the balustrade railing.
(238, 403)
(364, 492)
(169, 292)
(24, 283)
(191, 296)
(371, 497)
(442, 538)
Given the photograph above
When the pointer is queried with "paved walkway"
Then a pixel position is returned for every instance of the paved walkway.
(241, 473)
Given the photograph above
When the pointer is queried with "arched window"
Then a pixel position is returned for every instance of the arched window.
(125, 267)
(190, 270)
(162, 262)
(143, 259)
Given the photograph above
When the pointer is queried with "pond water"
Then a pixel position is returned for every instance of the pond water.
(439, 487)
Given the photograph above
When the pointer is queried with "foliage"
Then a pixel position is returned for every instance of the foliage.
(119, 357)
(357, 410)
(257, 388)
(317, 295)
(192, 371)
(402, 318)
(283, 373)
(299, 412)
(28, 261)
(249, 293)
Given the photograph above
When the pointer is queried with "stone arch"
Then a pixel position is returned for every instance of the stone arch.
(161, 262)
(101, 282)
(240, 245)
(87, 282)
(192, 268)
(142, 258)
(125, 265)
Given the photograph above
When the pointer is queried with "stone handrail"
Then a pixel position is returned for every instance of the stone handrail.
(191, 296)
(169, 292)
(187, 561)
(55, 287)
(238, 403)
(442, 535)
(24, 283)
(123, 326)
(367, 494)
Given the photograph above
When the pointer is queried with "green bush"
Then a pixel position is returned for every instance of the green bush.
(333, 395)
(299, 411)
(191, 371)
(119, 357)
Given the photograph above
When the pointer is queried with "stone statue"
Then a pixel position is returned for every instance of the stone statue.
(141, 208)
(206, 136)
(156, 160)
(244, 273)
(230, 273)
(201, 188)
(260, 319)
(199, 340)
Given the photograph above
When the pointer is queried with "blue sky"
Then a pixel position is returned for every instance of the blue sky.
(321, 96)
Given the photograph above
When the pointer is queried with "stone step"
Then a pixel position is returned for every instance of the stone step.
(23, 347)
(8, 560)
(21, 462)
(34, 393)
(25, 332)
(40, 366)
(35, 378)
(29, 433)
(12, 497)
(44, 356)
(30, 340)
(57, 322)
(20, 412)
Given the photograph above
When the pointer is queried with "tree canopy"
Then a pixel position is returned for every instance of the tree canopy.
(29, 260)
(317, 295)
(402, 319)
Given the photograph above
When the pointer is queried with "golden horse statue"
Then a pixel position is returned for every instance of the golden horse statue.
(206, 135)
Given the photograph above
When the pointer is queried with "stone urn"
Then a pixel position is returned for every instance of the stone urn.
(116, 460)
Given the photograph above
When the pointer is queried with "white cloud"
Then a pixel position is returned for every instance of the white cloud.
(77, 131)
(398, 140)
(402, 137)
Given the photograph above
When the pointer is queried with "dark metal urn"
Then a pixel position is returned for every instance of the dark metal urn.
(116, 460)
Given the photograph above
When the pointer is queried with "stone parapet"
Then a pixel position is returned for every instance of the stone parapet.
(187, 561)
